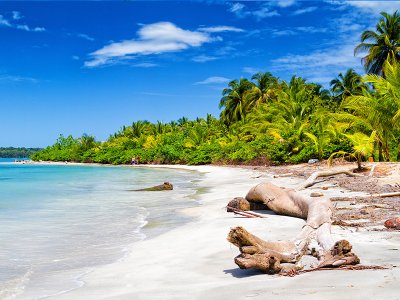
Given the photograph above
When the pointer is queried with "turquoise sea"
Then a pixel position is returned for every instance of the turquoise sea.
(58, 222)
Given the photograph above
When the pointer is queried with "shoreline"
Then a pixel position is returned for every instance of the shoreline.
(156, 224)
(195, 261)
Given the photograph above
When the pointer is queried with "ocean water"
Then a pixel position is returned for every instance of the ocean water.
(58, 222)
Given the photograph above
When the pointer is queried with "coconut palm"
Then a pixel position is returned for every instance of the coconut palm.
(346, 85)
(380, 111)
(382, 44)
(264, 89)
(234, 100)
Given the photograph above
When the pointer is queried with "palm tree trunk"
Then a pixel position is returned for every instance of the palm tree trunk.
(359, 168)
(380, 151)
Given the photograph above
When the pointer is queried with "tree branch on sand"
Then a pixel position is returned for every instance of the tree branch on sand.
(313, 178)
(315, 238)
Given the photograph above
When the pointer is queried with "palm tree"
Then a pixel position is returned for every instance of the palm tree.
(137, 129)
(346, 85)
(288, 118)
(380, 111)
(363, 146)
(263, 90)
(234, 100)
(381, 45)
(322, 130)
(87, 142)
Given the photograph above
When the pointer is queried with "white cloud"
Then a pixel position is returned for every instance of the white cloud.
(263, 11)
(85, 37)
(220, 29)
(213, 80)
(27, 28)
(75, 57)
(145, 65)
(296, 31)
(321, 65)
(4, 22)
(38, 29)
(154, 38)
(311, 29)
(236, 7)
(17, 79)
(376, 6)
(169, 32)
(16, 15)
(203, 58)
(302, 11)
(24, 27)
(250, 70)
(285, 3)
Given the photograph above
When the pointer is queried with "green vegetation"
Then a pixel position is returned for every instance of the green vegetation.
(268, 120)
(17, 152)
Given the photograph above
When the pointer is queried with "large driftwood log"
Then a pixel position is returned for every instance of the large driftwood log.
(314, 239)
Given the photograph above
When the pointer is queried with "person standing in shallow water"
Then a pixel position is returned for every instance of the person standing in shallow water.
(133, 160)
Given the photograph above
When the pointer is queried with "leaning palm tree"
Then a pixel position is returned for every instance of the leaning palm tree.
(381, 45)
(346, 85)
(234, 100)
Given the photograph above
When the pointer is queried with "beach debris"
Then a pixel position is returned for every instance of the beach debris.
(166, 186)
(258, 176)
(313, 161)
(247, 214)
(346, 224)
(293, 272)
(282, 175)
(315, 237)
(393, 223)
(313, 178)
(371, 172)
(316, 194)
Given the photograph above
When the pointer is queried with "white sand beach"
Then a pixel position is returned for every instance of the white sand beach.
(195, 261)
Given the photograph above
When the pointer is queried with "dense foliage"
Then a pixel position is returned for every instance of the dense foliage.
(268, 120)
(17, 152)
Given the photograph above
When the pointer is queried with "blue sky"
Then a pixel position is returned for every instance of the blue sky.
(92, 67)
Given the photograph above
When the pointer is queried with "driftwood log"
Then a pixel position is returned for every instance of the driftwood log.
(166, 186)
(314, 239)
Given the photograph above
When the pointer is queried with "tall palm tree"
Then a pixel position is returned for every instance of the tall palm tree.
(381, 45)
(263, 90)
(346, 85)
(234, 100)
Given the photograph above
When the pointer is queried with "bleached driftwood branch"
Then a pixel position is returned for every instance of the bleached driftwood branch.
(315, 238)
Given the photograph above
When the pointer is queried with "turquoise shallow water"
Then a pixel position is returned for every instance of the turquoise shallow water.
(58, 222)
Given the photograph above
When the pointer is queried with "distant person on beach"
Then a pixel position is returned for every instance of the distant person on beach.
(138, 160)
(133, 160)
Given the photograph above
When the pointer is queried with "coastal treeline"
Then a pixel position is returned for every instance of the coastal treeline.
(12, 152)
(268, 120)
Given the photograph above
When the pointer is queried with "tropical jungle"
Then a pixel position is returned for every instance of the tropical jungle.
(266, 120)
